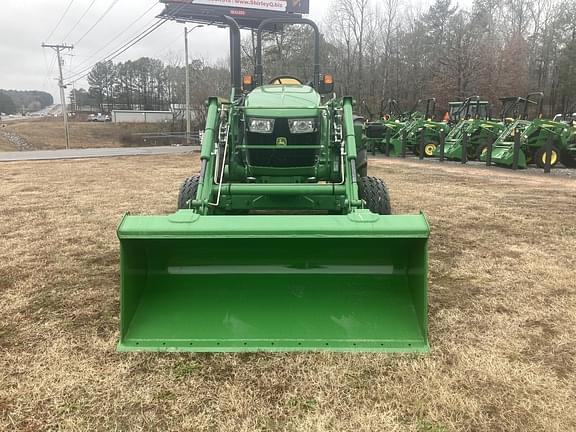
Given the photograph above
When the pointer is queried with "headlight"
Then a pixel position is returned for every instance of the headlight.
(263, 126)
(302, 126)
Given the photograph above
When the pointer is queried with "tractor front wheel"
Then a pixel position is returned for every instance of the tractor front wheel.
(188, 192)
(374, 193)
(540, 157)
(429, 149)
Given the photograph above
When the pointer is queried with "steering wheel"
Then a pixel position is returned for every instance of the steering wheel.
(285, 80)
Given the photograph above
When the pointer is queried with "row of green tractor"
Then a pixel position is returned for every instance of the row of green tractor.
(397, 133)
(469, 132)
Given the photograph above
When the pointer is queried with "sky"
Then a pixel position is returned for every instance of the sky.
(95, 32)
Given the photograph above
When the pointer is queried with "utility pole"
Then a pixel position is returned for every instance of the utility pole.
(188, 119)
(59, 49)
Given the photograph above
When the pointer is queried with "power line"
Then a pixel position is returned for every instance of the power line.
(71, 56)
(106, 12)
(80, 20)
(61, 19)
(111, 54)
(84, 73)
(115, 38)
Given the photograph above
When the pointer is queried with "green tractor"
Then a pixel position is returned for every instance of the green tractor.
(282, 242)
(420, 127)
(474, 126)
(568, 149)
(533, 137)
(467, 110)
(378, 133)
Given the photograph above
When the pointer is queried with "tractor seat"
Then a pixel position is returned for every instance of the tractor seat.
(285, 80)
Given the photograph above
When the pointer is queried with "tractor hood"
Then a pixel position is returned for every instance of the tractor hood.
(283, 101)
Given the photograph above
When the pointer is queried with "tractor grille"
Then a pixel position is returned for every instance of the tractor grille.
(283, 157)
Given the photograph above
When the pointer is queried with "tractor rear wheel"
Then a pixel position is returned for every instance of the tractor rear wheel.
(374, 193)
(188, 192)
(540, 157)
(567, 159)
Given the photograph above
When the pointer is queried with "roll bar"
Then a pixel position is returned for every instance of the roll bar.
(235, 55)
(266, 24)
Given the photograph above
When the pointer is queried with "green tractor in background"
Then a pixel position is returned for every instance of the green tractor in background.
(474, 125)
(390, 120)
(282, 242)
(420, 126)
(467, 110)
(533, 137)
(568, 151)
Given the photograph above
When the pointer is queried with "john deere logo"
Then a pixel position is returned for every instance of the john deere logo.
(281, 142)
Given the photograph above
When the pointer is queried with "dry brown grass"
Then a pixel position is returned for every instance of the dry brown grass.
(48, 133)
(502, 315)
(5, 145)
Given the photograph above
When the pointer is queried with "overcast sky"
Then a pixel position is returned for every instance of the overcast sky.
(25, 24)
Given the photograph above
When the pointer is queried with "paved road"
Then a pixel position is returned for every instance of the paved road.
(93, 153)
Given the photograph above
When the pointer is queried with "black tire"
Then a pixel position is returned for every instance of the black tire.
(374, 193)
(362, 163)
(188, 192)
(567, 159)
(482, 148)
(540, 157)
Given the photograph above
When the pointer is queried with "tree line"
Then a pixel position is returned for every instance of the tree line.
(13, 101)
(380, 49)
(498, 48)
(149, 84)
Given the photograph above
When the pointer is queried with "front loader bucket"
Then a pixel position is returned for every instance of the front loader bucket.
(453, 151)
(273, 283)
(396, 147)
(504, 155)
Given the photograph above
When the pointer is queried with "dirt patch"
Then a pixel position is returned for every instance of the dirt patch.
(502, 314)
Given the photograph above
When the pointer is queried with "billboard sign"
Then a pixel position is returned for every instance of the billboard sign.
(269, 5)
(285, 6)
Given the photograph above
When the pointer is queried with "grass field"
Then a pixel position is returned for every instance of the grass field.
(48, 133)
(502, 314)
(5, 145)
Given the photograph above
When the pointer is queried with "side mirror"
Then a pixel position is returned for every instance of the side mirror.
(327, 84)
